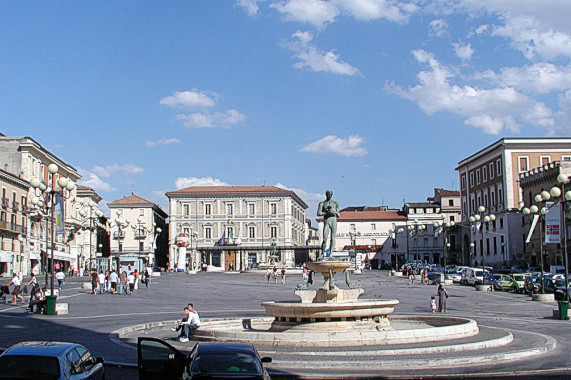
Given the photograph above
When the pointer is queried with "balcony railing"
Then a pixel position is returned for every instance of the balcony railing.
(15, 206)
(13, 227)
(25, 210)
(5, 202)
(119, 235)
(140, 235)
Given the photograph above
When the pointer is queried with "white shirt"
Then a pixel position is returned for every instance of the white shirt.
(193, 319)
(113, 277)
(60, 276)
(16, 281)
(131, 279)
(101, 278)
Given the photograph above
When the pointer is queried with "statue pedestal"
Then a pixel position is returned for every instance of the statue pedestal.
(328, 296)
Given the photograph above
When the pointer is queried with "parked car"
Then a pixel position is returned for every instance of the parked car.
(453, 275)
(474, 276)
(560, 289)
(50, 360)
(518, 280)
(156, 359)
(494, 279)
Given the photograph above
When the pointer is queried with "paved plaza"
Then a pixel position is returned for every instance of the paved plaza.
(540, 347)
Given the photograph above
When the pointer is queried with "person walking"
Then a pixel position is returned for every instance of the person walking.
(433, 304)
(131, 283)
(101, 279)
(283, 275)
(113, 277)
(268, 274)
(442, 296)
(94, 281)
(60, 276)
(16, 292)
(275, 275)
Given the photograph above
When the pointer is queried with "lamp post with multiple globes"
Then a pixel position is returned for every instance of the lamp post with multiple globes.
(42, 189)
(482, 220)
(91, 213)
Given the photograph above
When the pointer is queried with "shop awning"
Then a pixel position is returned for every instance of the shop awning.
(61, 255)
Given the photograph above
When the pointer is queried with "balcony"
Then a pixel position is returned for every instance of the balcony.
(15, 206)
(119, 235)
(140, 235)
(13, 227)
(5, 203)
(25, 210)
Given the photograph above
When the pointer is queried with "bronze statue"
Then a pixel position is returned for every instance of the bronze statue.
(329, 209)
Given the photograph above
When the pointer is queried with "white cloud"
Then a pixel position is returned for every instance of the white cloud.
(312, 58)
(316, 12)
(539, 78)
(250, 6)
(463, 51)
(438, 27)
(350, 146)
(396, 11)
(125, 169)
(489, 109)
(212, 120)
(188, 99)
(563, 117)
(183, 182)
(163, 142)
(92, 180)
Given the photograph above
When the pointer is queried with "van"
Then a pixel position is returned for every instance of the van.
(474, 276)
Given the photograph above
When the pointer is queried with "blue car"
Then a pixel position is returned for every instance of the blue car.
(50, 360)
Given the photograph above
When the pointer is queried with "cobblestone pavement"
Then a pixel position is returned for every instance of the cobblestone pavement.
(92, 318)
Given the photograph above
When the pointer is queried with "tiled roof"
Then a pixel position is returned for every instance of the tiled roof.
(129, 200)
(372, 215)
(448, 193)
(229, 190)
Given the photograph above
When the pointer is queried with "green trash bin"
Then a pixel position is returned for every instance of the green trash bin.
(563, 310)
(51, 305)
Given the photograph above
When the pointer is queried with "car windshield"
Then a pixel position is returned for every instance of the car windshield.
(29, 367)
(519, 277)
(238, 363)
(478, 273)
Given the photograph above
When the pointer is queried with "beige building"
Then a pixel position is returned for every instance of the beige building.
(235, 227)
(14, 256)
(138, 230)
(27, 159)
(490, 178)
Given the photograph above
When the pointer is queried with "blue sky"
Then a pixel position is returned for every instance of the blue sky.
(377, 100)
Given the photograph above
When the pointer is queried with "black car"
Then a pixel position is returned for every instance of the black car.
(157, 359)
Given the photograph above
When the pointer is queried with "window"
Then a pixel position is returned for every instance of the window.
(499, 167)
(208, 209)
(141, 212)
(373, 227)
(373, 241)
(251, 209)
(452, 218)
(185, 210)
(230, 232)
(484, 174)
(273, 208)
(208, 232)
(472, 179)
(463, 182)
(352, 227)
(251, 232)
(229, 209)
(500, 198)
(273, 232)
(491, 166)
(141, 246)
(565, 158)
(523, 162)
(544, 160)
(477, 176)
(451, 202)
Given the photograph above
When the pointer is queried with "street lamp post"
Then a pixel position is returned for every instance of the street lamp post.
(414, 230)
(485, 219)
(91, 216)
(394, 232)
(20, 270)
(442, 228)
(45, 190)
(120, 224)
(544, 196)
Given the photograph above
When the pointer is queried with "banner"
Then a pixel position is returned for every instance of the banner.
(553, 223)
(59, 217)
(533, 224)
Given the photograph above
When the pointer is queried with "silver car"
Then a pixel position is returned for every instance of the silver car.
(50, 360)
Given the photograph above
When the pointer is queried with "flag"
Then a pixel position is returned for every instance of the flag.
(222, 240)
(58, 204)
(533, 224)
(553, 223)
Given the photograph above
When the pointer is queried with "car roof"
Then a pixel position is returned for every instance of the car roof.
(203, 348)
(39, 348)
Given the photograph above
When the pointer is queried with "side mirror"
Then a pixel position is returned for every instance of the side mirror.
(99, 360)
(266, 359)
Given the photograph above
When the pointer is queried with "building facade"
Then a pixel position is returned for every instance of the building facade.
(27, 159)
(14, 257)
(138, 233)
(237, 227)
(533, 182)
(490, 178)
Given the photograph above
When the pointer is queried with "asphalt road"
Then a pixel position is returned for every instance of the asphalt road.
(92, 318)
